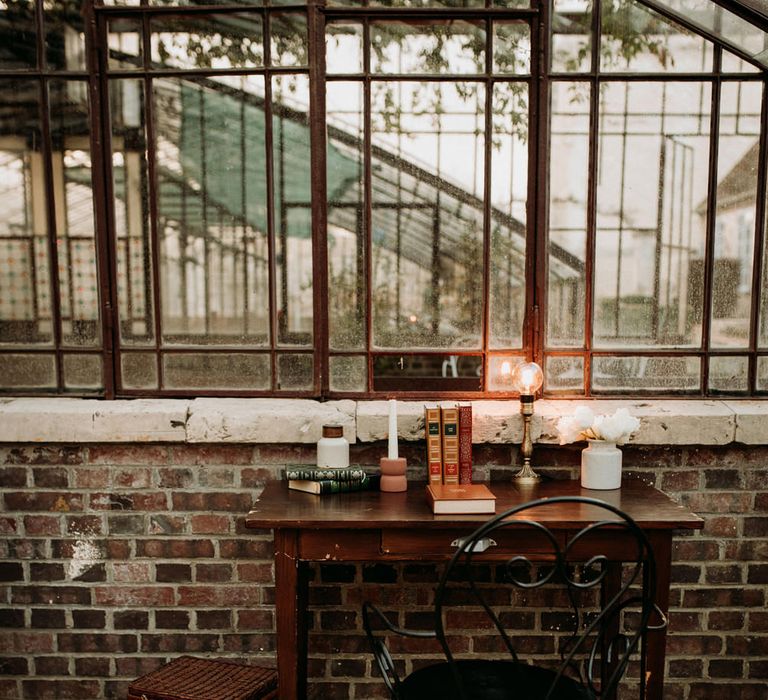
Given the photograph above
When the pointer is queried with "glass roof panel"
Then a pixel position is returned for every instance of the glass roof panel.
(744, 38)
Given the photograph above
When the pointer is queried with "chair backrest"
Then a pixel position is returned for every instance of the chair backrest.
(605, 567)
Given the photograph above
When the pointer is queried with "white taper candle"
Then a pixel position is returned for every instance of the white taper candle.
(392, 446)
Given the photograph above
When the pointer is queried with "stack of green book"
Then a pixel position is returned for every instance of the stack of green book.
(321, 480)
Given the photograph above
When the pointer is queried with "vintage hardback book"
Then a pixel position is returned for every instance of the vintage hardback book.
(450, 430)
(310, 473)
(325, 486)
(434, 444)
(460, 498)
(465, 444)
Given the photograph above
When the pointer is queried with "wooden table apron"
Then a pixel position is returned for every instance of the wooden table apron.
(397, 527)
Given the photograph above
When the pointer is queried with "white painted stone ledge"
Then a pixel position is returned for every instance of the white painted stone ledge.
(63, 420)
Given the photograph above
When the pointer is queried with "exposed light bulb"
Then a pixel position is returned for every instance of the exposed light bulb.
(528, 378)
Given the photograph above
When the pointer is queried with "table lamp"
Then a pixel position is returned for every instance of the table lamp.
(527, 379)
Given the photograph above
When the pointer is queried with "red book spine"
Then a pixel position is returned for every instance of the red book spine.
(465, 444)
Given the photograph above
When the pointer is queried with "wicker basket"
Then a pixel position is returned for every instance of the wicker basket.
(190, 678)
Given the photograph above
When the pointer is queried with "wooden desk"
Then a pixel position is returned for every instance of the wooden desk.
(391, 527)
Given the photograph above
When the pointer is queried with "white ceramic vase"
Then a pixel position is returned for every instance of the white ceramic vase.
(601, 466)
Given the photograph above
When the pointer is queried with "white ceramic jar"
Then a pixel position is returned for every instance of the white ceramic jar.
(333, 448)
(601, 466)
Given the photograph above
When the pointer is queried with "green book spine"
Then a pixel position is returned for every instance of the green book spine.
(369, 483)
(333, 486)
(312, 474)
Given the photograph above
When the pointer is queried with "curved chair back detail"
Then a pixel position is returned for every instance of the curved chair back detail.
(604, 568)
(581, 564)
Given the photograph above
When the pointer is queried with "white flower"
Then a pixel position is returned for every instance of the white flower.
(584, 425)
(568, 430)
(583, 417)
(618, 427)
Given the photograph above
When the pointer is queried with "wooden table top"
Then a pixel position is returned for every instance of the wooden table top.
(280, 507)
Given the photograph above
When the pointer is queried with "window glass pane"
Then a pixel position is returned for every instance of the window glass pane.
(124, 42)
(651, 214)
(433, 372)
(729, 375)
(511, 47)
(416, 3)
(723, 24)
(18, 34)
(635, 38)
(619, 374)
(288, 37)
(571, 35)
(511, 4)
(27, 372)
(740, 106)
(343, 48)
(131, 211)
(25, 294)
(348, 373)
(509, 197)
(212, 219)
(64, 37)
(293, 209)
(762, 373)
(347, 275)
(569, 143)
(734, 64)
(216, 371)
(452, 47)
(208, 41)
(762, 338)
(500, 372)
(564, 374)
(138, 370)
(83, 372)
(182, 3)
(295, 372)
(73, 190)
(428, 154)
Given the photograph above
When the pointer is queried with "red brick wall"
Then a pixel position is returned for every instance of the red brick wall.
(115, 558)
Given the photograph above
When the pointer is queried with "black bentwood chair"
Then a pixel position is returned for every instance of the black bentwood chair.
(597, 628)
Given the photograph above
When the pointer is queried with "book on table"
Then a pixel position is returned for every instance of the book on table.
(369, 482)
(434, 438)
(460, 498)
(465, 443)
(450, 434)
(305, 472)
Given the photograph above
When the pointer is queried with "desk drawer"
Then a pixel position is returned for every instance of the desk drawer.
(339, 545)
(430, 543)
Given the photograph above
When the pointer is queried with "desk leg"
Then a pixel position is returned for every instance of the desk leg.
(609, 589)
(290, 608)
(657, 640)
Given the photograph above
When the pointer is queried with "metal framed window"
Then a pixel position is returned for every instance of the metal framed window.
(360, 199)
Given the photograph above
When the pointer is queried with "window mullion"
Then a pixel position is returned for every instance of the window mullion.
(759, 247)
(319, 199)
(485, 330)
(709, 254)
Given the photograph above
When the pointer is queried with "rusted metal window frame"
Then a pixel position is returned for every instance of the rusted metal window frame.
(538, 15)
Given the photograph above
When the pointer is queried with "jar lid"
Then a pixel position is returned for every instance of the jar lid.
(333, 431)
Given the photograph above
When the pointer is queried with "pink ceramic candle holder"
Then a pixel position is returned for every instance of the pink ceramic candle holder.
(393, 474)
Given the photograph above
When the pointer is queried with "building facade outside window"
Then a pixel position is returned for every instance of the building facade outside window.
(357, 199)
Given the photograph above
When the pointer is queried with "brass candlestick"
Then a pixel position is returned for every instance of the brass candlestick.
(527, 379)
(526, 447)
